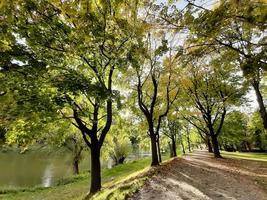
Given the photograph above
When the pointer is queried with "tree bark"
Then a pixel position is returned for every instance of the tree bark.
(248, 145)
(215, 144)
(77, 158)
(188, 142)
(209, 145)
(75, 167)
(174, 147)
(182, 144)
(95, 169)
(263, 112)
(171, 150)
(155, 158)
(158, 147)
(121, 160)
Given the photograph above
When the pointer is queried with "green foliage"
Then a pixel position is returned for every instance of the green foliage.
(234, 134)
(243, 132)
(209, 91)
(118, 144)
(63, 58)
(120, 150)
(257, 132)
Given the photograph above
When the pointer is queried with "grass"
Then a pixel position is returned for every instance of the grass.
(260, 157)
(77, 187)
(121, 188)
(246, 156)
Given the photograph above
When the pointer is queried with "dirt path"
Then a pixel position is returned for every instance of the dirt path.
(201, 177)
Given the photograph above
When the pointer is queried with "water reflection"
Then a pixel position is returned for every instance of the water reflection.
(48, 175)
(35, 168)
(39, 168)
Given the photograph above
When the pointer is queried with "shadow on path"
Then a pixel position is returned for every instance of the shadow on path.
(199, 176)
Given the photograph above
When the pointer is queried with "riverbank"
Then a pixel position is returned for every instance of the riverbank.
(76, 187)
(36, 168)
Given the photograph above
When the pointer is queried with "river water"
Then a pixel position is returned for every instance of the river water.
(36, 168)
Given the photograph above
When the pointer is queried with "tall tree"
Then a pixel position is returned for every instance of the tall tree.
(118, 142)
(172, 129)
(187, 132)
(80, 45)
(234, 134)
(235, 26)
(257, 133)
(208, 93)
(155, 91)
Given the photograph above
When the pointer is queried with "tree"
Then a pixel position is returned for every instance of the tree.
(187, 132)
(76, 146)
(155, 91)
(208, 92)
(2, 136)
(257, 133)
(205, 138)
(120, 150)
(234, 134)
(4, 122)
(174, 127)
(80, 46)
(53, 133)
(237, 27)
(181, 139)
(118, 142)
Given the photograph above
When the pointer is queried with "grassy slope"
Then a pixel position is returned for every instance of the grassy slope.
(79, 186)
(247, 156)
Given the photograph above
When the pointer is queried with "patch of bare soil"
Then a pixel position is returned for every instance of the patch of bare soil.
(201, 177)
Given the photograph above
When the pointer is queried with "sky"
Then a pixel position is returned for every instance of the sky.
(182, 3)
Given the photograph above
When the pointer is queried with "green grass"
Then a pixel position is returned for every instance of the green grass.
(77, 187)
(119, 189)
(246, 156)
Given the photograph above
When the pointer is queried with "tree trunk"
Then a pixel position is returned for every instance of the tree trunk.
(188, 141)
(171, 150)
(77, 158)
(215, 145)
(248, 146)
(75, 166)
(121, 160)
(95, 169)
(182, 144)
(263, 112)
(174, 147)
(209, 145)
(155, 159)
(158, 146)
